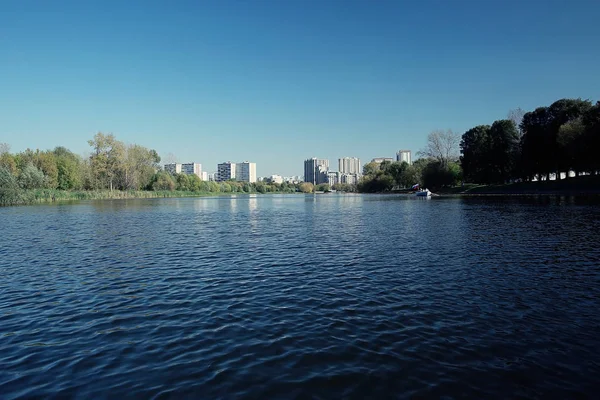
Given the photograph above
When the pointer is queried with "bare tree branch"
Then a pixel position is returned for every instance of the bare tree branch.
(442, 146)
(516, 116)
(170, 158)
(4, 148)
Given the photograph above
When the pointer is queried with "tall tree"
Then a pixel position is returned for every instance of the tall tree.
(591, 122)
(475, 147)
(571, 141)
(535, 144)
(139, 167)
(562, 112)
(370, 168)
(31, 177)
(69, 169)
(396, 170)
(504, 141)
(7, 160)
(442, 146)
(516, 116)
(163, 181)
(107, 159)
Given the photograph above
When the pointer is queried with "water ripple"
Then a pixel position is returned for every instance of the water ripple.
(301, 297)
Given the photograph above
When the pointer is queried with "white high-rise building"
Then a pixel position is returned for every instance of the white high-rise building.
(192, 169)
(186, 168)
(379, 160)
(333, 178)
(351, 179)
(173, 168)
(245, 172)
(404, 155)
(242, 172)
(315, 171)
(349, 165)
(225, 171)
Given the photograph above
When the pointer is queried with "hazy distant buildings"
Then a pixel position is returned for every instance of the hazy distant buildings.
(404, 155)
(315, 171)
(173, 168)
(186, 168)
(349, 165)
(242, 172)
(333, 178)
(379, 160)
(276, 179)
(292, 179)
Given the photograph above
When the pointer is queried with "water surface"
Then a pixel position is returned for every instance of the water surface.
(294, 296)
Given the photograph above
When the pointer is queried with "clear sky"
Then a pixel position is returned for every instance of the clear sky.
(276, 82)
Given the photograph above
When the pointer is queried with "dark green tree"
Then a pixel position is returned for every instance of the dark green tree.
(475, 149)
(504, 149)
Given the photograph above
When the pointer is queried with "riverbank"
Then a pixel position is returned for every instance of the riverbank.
(583, 185)
(24, 197)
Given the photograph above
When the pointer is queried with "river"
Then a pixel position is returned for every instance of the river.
(301, 296)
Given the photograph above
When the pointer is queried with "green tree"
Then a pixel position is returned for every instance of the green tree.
(139, 166)
(414, 173)
(561, 112)
(31, 177)
(504, 149)
(10, 192)
(475, 148)
(323, 187)
(307, 187)
(107, 159)
(46, 162)
(183, 182)
(7, 160)
(542, 152)
(214, 187)
(194, 183)
(373, 183)
(261, 187)
(395, 170)
(571, 141)
(370, 168)
(163, 181)
(69, 169)
(591, 139)
(437, 175)
(535, 144)
(204, 186)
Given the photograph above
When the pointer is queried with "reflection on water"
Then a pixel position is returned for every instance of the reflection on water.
(285, 296)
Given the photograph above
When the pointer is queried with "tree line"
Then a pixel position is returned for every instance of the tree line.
(558, 140)
(111, 165)
(561, 138)
(437, 167)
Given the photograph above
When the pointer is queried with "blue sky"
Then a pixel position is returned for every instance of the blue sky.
(276, 82)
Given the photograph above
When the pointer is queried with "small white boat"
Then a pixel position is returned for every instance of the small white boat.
(423, 193)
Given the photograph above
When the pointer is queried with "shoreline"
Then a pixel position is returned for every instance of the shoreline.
(49, 196)
(576, 186)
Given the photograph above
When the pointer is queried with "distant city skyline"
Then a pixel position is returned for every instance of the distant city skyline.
(278, 81)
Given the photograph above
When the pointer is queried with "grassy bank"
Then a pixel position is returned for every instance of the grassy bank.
(571, 186)
(22, 197)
